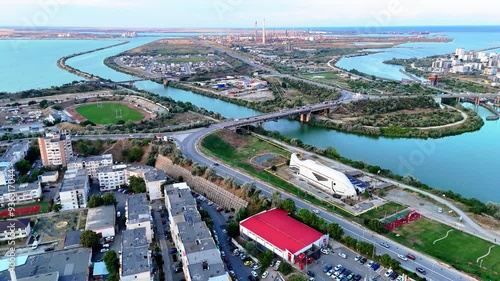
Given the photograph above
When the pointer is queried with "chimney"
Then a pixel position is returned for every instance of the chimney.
(264, 32)
(13, 274)
(255, 36)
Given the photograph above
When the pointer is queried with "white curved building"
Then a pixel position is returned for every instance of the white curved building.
(326, 178)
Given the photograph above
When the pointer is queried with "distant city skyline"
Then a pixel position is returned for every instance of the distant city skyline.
(243, 14)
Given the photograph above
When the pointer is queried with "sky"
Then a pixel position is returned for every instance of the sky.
(244, 13)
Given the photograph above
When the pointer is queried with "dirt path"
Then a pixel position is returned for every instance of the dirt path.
(464, 116)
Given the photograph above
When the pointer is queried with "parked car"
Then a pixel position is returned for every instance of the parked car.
(337, 267)
(325, 251)
(327, 267)
(172, 251)
(49, 249)
(362, 260)
(388, 273)
(247, 263)
(342, 255)
(357, 258)
(265, 274)
(105, 245)
(375, 266)
(254, 274)
(104, 250)
(310, 273)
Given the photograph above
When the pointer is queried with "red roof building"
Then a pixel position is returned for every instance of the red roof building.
(280, 233)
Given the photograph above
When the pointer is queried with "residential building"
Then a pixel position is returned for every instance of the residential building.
(102, 220)
(201, 260)
(14, 229)
(71, 264)
(91, 163)
(138, 214)
(8, 160)
(135, 258)
(55, 149)
(74, 190)
(50, 176)
(20, 193)
(111, 177)
(99, 272)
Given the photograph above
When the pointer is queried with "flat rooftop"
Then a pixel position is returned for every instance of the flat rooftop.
(74, 179)
(100, 217)
(18, 147)
(281, 230)
(155, 175)
(72, 265)
(134, 251)
(92, 158)
(4, 189)
(180, 199)
(137, 208)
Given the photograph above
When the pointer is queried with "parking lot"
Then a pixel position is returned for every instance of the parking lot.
(349, 263)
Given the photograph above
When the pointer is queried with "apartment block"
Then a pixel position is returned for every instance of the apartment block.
(14, 153)
(138, 214)
(14, 229)
(91, 163)
(74, 190)
(20, 193)
(55, 149)
(112, 177)
(201, 260)
(135, 257)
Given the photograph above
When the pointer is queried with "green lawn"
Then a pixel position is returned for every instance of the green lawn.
(238, 157)
(381, 211)
(326, 75)
(108, 113)
(458, 249)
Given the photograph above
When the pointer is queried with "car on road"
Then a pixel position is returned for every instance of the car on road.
(316, 211)
(402, 257)
(410, 256)
(384, 244)
(310, 273)
(216, 164)
(342, 255)
(265, 274)
(421, 270)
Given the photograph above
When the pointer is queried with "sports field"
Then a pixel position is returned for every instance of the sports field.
(108, 113)
(454, 247)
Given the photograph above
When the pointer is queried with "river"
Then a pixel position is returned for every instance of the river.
(464, 164)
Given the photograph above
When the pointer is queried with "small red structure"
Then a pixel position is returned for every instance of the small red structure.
(434, 79)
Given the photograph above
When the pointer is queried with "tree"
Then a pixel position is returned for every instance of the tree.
(111, 261)
(23, 166)
(137, 184)
(266, 258)
(211, 174)
(57, 207)
(276, 199)
(44, 103)
(135, 154)
(285, 268)
(95, 201)
(305, 216)
(335, 231)
(288, 205)
(242, 214)
(251, 247)
(233, 229)
(89, 239)
(109, 199)
(377, 226)
(297, 277)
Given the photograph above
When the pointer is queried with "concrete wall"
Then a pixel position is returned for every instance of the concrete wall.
(213, 192)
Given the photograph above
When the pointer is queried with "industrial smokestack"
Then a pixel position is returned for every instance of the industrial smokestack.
(264, 32)
(255, 36)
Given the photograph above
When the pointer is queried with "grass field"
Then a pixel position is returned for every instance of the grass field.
(239, 157)
(459, 249)
(381, 211)
(107, 114)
